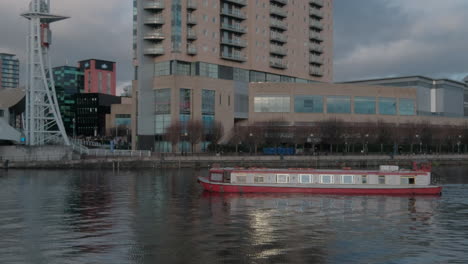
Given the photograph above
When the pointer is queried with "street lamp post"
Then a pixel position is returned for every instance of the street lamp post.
(250, 145)
(417, 139)
(458, 143)
(367, 141)
(185, 148)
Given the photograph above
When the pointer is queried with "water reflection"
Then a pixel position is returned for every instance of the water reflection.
(163, 216)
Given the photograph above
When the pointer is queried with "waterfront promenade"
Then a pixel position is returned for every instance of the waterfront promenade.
(206, 161)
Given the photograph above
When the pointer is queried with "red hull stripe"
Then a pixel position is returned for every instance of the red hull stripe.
(430, 190)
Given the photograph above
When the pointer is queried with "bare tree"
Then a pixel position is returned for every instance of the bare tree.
(215, 134)
(172, 134)
(331, 131)
(194, 132)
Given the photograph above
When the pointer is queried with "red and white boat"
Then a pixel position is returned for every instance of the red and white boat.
(386, 180)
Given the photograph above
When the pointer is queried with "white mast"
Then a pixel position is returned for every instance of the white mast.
(43, 120)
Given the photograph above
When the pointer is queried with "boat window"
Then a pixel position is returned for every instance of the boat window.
(347, 179)
(216, 176)
(241, 179)
(406, 180)
(259, 179)
(282, 178)
(364, 179)
(381, 179)
(326, 179)
(305, 178)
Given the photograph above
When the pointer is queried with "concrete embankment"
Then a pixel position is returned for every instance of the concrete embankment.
(331, 161)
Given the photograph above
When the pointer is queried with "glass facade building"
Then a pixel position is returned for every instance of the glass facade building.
(272, 104)
(364, 105)
(9, 71)
(387, 106)
(308, 104)
(69, 81)
(339, 104)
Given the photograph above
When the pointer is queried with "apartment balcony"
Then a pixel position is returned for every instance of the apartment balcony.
(191, 4)
(234, 56)
(236, 42)
(316, 71)
(191, 19)
(278, 63)
(238, 28)
(278, 37)
(191, 49)
(278, 50)
(281, 2)
(191, 34)
(316, 48)
(313, 12)
(154, 20)
(154, 51)
(276, 23)
(236, 13)
(318, 3)
(315, 36)
(154, 5)
(278, 11)
(154, 35)
(315, 25)
(237, 2)
(315, 59)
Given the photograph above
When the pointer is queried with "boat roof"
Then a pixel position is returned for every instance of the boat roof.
(323, 171)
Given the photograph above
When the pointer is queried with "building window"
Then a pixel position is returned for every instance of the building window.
(282, 178)
(406, 107)
(347, 179)
(364, 179)
(381, 179)
(185, 101)
(108, 83)
(259, 179)
(387, 106)
(208, 70)
(326, 179)
(162, 68)
(182, 68)
(241, 179)
(208, 102)
(272, 104)
(2, 113)
(162, 101)
(176, 24)
(364, 105)
(407, 180)
(308, 104)
(338, 104)
(162, 122)
(257, 76)
(305, 178)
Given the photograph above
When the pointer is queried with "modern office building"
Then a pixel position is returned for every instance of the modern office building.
(91, 111)
(435, 97)
(191, 54)
(9, 71)
(69, 81)
(12, 105)
(99, 76)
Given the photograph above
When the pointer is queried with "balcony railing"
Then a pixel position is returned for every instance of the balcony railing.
(234, 42)
(278, 63)
(155, 35)
(235, 56)
(233, 27)
(316, 25)
(238, 2)
(154, 51)
(237, 13)
(191, 49)
(278, 37)
(316, 71)
(191, 19)
(278, 50)
(191, 4)
(155, 20)
(276, 23)
(316, 48)
(315, 36)
(191, 34)
(316, 59)
(282, 2)
(278, 11)
(155, 4)
(319, 3)
(316, 13)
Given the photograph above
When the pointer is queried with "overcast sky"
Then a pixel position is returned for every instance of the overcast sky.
(372, 38)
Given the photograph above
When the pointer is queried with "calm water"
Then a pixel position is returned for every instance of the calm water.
(163, 216)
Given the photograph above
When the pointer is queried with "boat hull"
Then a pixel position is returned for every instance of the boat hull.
(369, 190)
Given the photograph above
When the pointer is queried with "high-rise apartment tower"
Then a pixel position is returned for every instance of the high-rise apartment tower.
(195, 58)
(9, 71)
